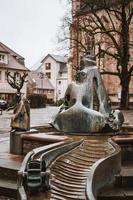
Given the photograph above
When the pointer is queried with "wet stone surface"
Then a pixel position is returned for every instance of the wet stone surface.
(38, 118)
(6, 198)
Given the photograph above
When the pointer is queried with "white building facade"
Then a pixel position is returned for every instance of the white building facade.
(55, 68)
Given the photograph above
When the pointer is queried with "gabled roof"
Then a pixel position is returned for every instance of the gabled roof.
(4, 48)
(37, 64)
(57, 58)
(13, 59)
(40, 79)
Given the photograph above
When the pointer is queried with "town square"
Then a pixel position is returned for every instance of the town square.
(66, 100)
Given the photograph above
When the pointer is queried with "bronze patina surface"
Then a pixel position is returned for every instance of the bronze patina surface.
(86, 105)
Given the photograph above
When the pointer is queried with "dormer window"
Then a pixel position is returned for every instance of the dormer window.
(3, 58)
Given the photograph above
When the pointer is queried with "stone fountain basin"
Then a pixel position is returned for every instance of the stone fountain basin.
(123, 138)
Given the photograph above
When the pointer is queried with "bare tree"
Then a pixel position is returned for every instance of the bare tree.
(16, 81)
(109, 25)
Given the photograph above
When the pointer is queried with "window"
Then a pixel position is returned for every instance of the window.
(48, 74)
(3, 58)
(59, 82)
(60, 73)
(5, 75)
(47, 66)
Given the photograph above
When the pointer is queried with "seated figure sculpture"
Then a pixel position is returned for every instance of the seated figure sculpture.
(20, 121)
(86, 106)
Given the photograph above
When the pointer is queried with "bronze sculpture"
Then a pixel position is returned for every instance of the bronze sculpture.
(86, 105)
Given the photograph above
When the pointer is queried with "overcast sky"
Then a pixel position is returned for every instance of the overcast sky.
(29, 26)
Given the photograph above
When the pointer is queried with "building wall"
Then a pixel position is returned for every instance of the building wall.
(112, 83)
(48, 93)
(54, 69)
(38, 83)
(61, 87)
(56, 76)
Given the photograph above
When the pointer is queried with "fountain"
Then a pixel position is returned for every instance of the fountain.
(70, 157)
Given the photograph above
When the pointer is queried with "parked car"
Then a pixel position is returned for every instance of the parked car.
(3, 104)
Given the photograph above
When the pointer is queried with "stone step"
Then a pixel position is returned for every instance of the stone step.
(7, 172)
(125, 178)
(8, 188)
(124, 181)
(114, 193)
(122, 187)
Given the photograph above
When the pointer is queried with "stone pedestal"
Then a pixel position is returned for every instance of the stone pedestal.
(16, 141)
(16, 146)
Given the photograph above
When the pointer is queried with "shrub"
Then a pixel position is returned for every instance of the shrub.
(37, 100)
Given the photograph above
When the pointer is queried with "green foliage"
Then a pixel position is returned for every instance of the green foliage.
(37, 100)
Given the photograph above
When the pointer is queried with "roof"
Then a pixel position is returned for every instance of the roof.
(37, 64)
(40, 79)
(4, 48)
(15, 61)
(13, 64)
(57, 58)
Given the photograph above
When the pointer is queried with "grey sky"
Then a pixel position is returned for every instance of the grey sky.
(29, 26)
